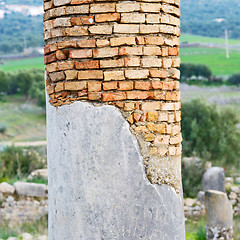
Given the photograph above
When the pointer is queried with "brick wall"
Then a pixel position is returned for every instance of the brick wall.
(122, 53)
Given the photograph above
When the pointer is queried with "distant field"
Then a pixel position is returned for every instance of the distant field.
(200, 39)
(28, 63)
(214, 58)
(24, 121)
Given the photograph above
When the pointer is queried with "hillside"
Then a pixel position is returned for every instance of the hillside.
(198, 17)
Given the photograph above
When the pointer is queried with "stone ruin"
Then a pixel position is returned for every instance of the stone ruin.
(113, 119)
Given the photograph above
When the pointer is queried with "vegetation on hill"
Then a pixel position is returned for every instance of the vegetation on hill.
(210, 132)
(21, 64)
(214, 58)
(198, 17)
(16, 30)
(29, 83)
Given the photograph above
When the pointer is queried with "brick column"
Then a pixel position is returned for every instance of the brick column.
(123, 54)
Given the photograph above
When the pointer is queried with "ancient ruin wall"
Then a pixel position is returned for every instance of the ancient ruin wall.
(121, 53)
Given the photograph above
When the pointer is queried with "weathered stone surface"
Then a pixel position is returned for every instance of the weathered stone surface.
(214, 179)
(6, 188)
(189, 161)
(42, 173)
(189, 202)
(219, 215)
(201, 197)
(18, 212)
(26, 236)
(30, 189)
(97, 185)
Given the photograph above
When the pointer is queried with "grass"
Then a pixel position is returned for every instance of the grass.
(214, 58)
(20, 64)
(38, 227)
(24, 121)
(189, 38)
(195, 229)
(225, 97)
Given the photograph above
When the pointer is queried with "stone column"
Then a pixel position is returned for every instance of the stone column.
(219, 216)
(113, 119)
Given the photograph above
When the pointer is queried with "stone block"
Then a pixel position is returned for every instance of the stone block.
(214, 179)
(30, 189)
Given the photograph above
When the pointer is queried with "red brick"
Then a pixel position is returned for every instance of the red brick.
(81, 1)
(168, 85)
(82, 93)
(173, 51)
(130, 51)
(60, 55)
(94, 64)
(109, 86)
(114, 96)
(119, 41)
(75, 86)
(173, 96)
(159, 95)
(50, 89)
(156, 85)
(112, 63)
(50, 58)
(142, 85)
(87, 43)
(67, 44)
(94, 86)
(92, 74)
(158, 73)
(65, 65)
(107, 17)
(105, 52)
(85, 53)
(125, 85)
(150, 106)
(154, 40)
(136, 117)
(59, 87)
(84, 20)
(47, 49)
(140, 40)
(151, 51)
(165, 51)
(119, 104)
(132, 62)
(143, 117)
(138, 95)
(94, 96)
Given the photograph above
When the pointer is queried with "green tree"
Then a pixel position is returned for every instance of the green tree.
(189, 70)
(4, 82)
(235, 79)
(25, 79)
(210, 132)
(37, 90)
(203, 71)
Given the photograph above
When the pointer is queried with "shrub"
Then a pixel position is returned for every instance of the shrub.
(235, 79)
(20, 162)
(192, 179)
(189, 70)
(210, 132)
(3, 128)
